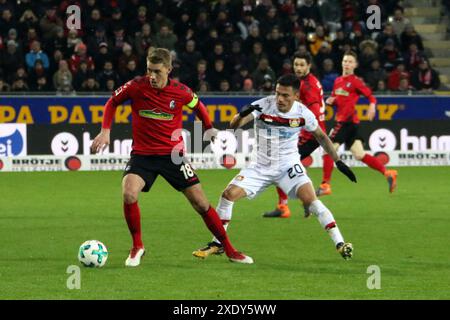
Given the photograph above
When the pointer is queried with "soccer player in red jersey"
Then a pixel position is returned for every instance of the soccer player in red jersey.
(311, 95)
(157, 102)
(345, 94)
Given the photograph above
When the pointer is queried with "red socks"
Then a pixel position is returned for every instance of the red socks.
(214, 224)
(373, 163)
(282, 197)
(133, 217)
(328, 165)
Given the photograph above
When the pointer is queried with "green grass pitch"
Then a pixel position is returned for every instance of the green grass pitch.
(46, 216)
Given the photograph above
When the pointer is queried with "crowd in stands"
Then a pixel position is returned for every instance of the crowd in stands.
(223, 45)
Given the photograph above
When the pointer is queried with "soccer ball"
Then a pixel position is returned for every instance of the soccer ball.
(92, 254)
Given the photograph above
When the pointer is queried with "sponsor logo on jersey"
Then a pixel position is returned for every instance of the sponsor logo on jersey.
(239, 178)
(155, 114)
(341, 92)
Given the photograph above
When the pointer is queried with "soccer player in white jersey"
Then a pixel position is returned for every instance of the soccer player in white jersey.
(278, 121)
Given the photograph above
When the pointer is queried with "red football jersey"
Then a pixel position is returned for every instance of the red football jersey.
(347, 90)
(311, 95)
(156, 114)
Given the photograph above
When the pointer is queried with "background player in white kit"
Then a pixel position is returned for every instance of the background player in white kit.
(278, 121)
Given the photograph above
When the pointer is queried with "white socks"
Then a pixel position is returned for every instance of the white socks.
(326, 220)
(224, 210)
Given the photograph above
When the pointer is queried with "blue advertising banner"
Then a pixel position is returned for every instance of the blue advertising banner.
(89, 110)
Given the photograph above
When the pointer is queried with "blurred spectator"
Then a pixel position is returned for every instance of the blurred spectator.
(35, 73)
(248, 86)
(409, 36)
(256, 55)
(390, 55)
(263, 70)
(278, 60)
(126, 56)
(58, 42)
(62, 79)
(217, 53)
(237, 58)
(310, 14)
(11, 59)
(189, 58)
(399, 22)
(253, 37)
(247, 22)
(130, 72)
(394, 78)
(80, 55)
(387, 34)
(90, 85)
(413, 57)
(139, 21)
(94, 41)
(118, 39)
(27, 20)
(106, 74)
(41, 85)
(331, 12)
(73, 39)
(4, 86)
(202, 24)
(20, 84)
(82, 75)
(239, 77)
(165, 38)
(143, 40)
(267, 86)
(200, 74)
(375, 74)
(203, 87)
(325, 52)
(425, 78)
(49, 23)
(35, 54)
(102, 55)
(110, 85)
(404, 85)
(297, 39)
(218, 74)
(328, 75)
(94, 22)
(269, 21)
(224, 86)
(368, 53)
(381, 86)
(7, 22)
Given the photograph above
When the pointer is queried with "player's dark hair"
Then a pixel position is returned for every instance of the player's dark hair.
(289, 80)
(305, 56)
(159, 55)
(351, 53)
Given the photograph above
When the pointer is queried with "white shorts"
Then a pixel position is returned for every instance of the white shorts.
(255, 179)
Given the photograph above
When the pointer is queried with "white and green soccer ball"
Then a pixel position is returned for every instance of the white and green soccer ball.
(93, 253)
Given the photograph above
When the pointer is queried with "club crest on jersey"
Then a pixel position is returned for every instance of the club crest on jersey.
(294, 123)
(172, 105)
(348, 84)
(155, 114)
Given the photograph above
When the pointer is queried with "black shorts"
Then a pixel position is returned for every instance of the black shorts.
(345, 132)
(306, 147)
(180, 176)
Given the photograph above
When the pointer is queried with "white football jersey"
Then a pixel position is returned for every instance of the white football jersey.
(277, 132)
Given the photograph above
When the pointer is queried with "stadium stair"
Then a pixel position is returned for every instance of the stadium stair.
(431, 22)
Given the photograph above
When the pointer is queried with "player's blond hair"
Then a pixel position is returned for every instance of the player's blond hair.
(159, 55)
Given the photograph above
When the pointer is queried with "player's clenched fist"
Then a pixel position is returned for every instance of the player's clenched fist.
(101, 141)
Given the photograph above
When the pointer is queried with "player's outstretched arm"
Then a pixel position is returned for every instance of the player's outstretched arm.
(327, 145)
(245, 116)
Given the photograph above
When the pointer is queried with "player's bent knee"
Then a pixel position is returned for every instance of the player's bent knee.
(357, 150)
(130, 196)
(306, 194)
(233, 193)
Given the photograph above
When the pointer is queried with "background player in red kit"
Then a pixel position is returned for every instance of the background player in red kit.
(156, 103)
(311, 95)
(346, 92)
